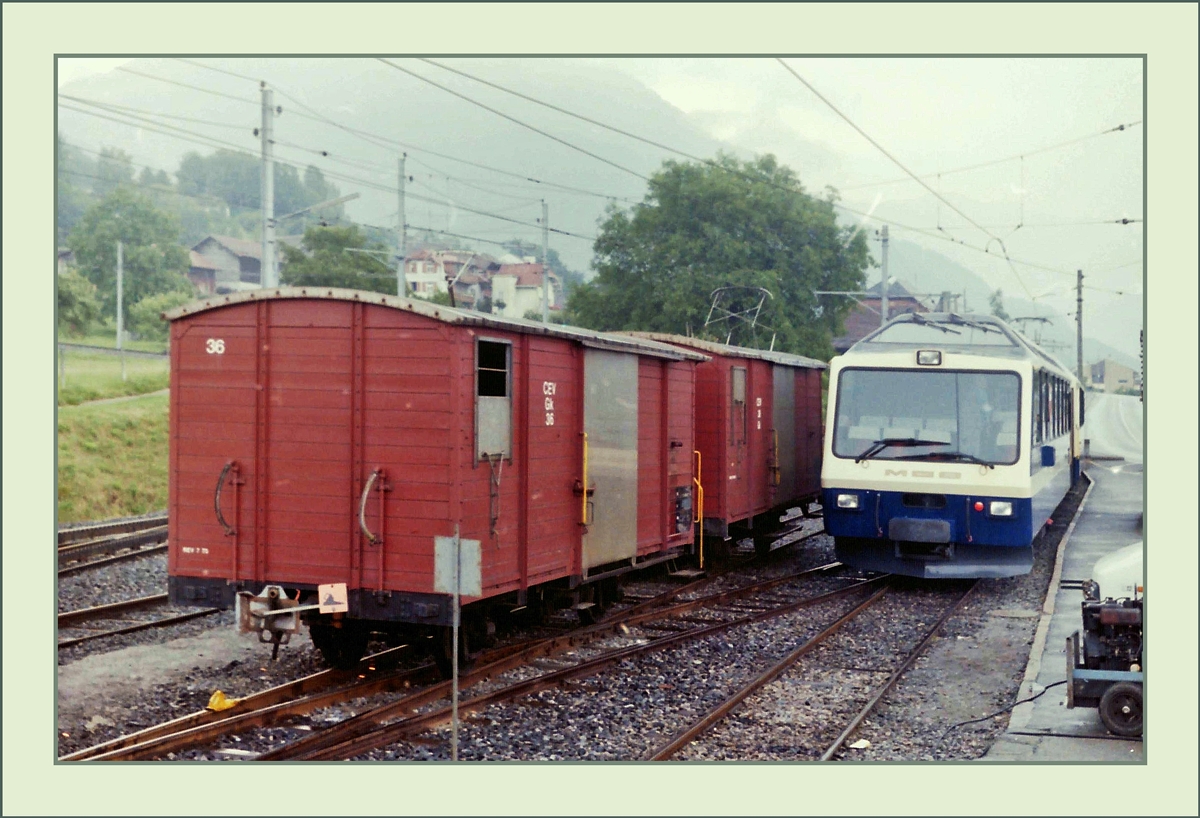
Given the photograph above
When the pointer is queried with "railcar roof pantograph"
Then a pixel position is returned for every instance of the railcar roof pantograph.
(714, 348)
(973, 334)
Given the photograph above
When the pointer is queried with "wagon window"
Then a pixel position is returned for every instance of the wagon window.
(492, 372)
(737, 414)
(493, 401)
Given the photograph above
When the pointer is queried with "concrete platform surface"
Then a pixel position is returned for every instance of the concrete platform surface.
(1044, 729)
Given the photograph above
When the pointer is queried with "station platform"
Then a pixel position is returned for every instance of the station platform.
(1044, 730)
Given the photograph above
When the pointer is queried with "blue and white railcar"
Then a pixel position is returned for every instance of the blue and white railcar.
(949, 441)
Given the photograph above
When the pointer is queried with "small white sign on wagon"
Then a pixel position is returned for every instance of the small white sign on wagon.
(445, 560)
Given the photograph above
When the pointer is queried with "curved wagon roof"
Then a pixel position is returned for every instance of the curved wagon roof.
(971, 334)
(448, 315)
(714, 348)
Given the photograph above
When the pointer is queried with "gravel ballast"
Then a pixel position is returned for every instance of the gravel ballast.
(973, 668)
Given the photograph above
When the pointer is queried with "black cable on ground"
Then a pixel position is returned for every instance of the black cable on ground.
(953, 727)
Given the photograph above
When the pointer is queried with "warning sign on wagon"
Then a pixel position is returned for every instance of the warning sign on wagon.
(333, 598)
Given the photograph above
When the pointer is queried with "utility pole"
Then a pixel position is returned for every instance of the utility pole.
(267, 277)
(545, 264)
(121, 307)
(883, 304)
(401, 237)
(1079, 323)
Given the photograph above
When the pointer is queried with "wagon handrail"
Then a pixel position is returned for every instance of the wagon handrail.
(698, 512)
(231, 465)
(362, 507)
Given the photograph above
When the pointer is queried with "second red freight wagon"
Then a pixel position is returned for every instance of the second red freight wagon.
(322, 438)
(758, 434)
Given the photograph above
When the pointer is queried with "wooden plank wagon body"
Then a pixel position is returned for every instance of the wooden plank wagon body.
(323, 436)
(758, 432)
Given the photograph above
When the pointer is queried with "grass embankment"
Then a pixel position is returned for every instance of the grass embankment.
(95, 375)
(112, 459)
(109, 340)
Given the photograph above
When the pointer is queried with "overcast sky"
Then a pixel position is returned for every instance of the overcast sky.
(1055, 208)
(941, 114)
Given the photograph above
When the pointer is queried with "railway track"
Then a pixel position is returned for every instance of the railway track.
(108, 528)
(297, 699)
(86, 619)
(395, 722)
(716, 714)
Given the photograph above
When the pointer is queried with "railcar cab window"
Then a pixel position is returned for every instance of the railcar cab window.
(493, 399)
(911, 414)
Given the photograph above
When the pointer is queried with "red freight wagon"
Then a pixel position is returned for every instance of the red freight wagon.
(758, 434)
(324, 437)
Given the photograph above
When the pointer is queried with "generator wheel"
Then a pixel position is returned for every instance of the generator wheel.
(342, 647)
(1121, 709)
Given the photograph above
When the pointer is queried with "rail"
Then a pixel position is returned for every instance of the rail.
(108, 528)
(361, 733)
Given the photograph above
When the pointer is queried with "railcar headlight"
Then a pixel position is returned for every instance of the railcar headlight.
(847, 501)
(1000, 508)
(929, 357)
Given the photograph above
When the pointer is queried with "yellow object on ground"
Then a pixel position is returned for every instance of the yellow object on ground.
(218, 702)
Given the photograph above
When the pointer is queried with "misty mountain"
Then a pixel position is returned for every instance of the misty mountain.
(204, 109)
(373, 97)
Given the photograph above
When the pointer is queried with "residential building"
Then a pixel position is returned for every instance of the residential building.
(66, 258)
(202, 272)
(1110, 376)
(865, 317)
(429, 271)
(517, 289)
(229, 264)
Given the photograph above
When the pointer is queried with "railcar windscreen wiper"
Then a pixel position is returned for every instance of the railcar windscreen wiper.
(879, 445)
(917, 318)
(961, 456)
(958, 319)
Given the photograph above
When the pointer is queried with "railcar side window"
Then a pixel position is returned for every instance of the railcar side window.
(493, 398)
(737, 414)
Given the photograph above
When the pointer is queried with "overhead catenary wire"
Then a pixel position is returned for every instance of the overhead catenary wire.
(213, 142)
(1015, 157)
(943, 237)
(378, 140)
(513, 119)
(899, 164)
(115, 108)
(523, 178)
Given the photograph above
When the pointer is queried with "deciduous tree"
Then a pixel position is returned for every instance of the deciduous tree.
(725, 223)
(78, 305)
(327, 260)
(154, 262)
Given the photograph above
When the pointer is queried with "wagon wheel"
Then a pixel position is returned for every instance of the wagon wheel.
(472, 639)
(342, 647)
(1121, 709)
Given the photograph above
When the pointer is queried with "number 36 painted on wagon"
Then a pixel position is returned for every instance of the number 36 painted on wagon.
(215, 346)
